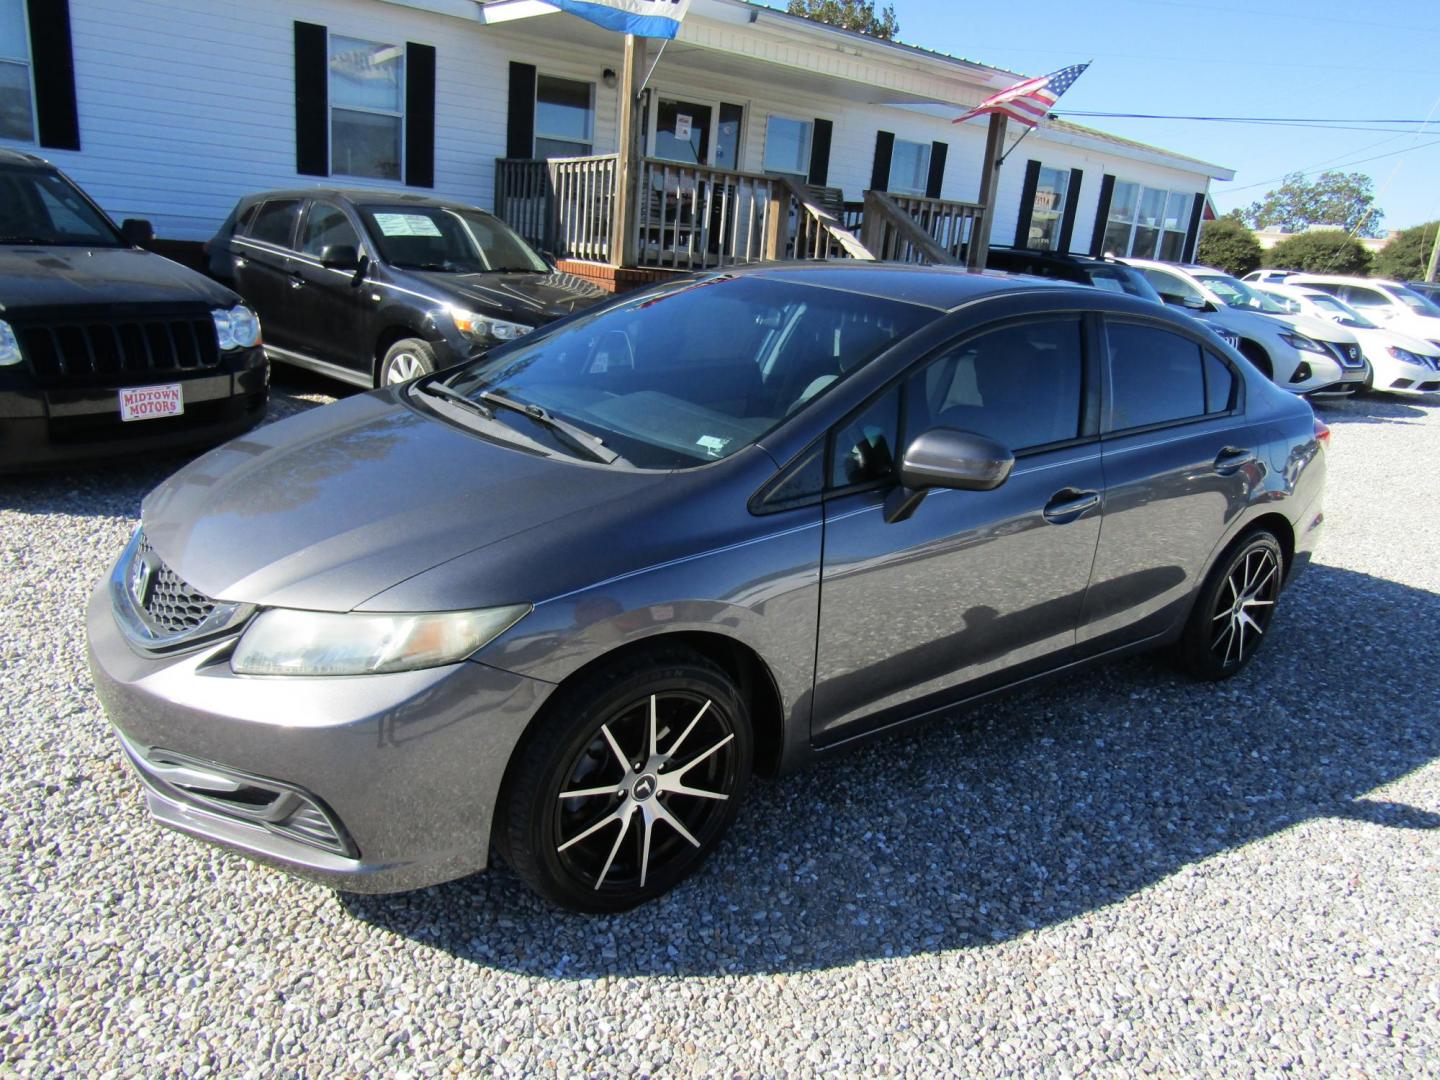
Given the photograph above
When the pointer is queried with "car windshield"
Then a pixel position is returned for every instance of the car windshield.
(40, 207)
(451, 239)
(689, 374)
(1236, 294)
(1415, 302)
(1122, 279)
(1339, 312)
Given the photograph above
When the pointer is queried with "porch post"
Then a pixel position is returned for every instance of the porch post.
(989, 181)
(627, 169)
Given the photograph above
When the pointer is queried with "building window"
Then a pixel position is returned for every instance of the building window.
(909, 167)
(17, 100)
(1147, 223)
(1049, 209)
(787, 146)
(564, 117)
(367, 108)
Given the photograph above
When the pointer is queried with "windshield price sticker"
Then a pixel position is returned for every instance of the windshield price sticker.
(148, 402)
(712, 444)
(407, 225)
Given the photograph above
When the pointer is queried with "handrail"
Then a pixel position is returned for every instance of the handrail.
(819, 232)
(694, 217)
(893, 235)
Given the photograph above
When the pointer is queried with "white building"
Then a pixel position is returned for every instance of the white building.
(172, 109)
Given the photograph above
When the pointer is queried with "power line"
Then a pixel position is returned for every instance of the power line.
(1316, 168)
(1237, 119)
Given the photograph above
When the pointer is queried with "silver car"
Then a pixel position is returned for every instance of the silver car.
(566, 599)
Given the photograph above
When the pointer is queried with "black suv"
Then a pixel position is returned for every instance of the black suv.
(105, 347)
(377, 288)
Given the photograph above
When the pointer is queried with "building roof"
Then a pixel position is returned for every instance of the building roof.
(1065, 126)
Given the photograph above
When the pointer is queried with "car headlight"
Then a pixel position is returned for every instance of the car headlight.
(1304, 344)
(1405, 355)
(483, 328)
(9, 346)
(236, 328)
(282, 641)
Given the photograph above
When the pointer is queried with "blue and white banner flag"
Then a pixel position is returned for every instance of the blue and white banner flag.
(643, 18)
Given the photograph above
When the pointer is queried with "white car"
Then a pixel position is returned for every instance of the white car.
(1298, 353)
(1267, 277)
(1399, 364)
(1393, 304)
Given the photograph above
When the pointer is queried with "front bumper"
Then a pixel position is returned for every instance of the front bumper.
(406, 766)
(43, 427)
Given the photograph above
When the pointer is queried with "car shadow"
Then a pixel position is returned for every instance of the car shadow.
(1019, 814)
(1373, 409)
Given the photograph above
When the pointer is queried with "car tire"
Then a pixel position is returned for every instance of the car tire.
(1234, 609)
(1257, 355)
(599, 811)
(407, 359)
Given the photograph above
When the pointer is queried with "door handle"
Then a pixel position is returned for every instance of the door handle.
(241, 262)
(1068, 504)
(1232, 459)
(296, 281)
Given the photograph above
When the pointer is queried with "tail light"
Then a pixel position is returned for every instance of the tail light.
(1322, 432)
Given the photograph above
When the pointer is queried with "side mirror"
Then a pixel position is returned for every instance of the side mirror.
(137, 232)
(340, 257)
(1196, 303)
(947, 458)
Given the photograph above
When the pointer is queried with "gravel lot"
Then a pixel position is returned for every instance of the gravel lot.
(1120, 872)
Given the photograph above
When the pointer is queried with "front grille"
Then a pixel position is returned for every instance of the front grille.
(172, 604)
(1348, 355)
(86, 348)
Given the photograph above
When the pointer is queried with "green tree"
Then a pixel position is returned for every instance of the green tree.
(1320, 251)
(1228, 245)
(1339, 199)
(1407, 255)
(857, 15)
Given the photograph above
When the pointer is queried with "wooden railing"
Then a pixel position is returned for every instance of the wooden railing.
(563, 205)
(817, 231)
(693, 217)
(912, 228)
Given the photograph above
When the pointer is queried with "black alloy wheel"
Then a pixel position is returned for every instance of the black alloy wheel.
(1235, 608)
(628, 782)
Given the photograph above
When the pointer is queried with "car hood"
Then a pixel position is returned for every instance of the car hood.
(530, 298)
(325, 510)
(1255, 323)
(43, 277)
(1381, 337)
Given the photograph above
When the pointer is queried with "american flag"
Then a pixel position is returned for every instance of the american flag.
(1029, 101)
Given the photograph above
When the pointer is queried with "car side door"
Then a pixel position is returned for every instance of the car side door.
(1181, 463)
(975, 588)
(334, 298)
(262, 269)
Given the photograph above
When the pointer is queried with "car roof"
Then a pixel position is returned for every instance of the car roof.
(943, 288)
(21, 158)
(358, 195)
(1066, 257)
(1348, 279)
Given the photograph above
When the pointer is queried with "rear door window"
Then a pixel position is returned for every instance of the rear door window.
(1358, 297)
(1156, 377)
(326, 226)
(275, 222)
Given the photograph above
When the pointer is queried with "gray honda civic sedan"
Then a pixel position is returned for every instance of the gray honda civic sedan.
(566, 599)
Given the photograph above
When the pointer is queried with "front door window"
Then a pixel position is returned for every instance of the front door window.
(682, 131)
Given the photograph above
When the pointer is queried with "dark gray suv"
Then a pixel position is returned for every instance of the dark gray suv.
(567, 598)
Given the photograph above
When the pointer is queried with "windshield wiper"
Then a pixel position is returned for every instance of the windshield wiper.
(514, 270)
(23, 240)
(440, 389)
(577, 437)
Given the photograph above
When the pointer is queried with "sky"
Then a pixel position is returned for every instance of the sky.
(1374, 60)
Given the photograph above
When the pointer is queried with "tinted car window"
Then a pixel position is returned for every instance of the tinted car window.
(1121, 279)
(1019, 385)
(697, 371)
(1155, 376)
(1219, 384)
(275, 222)
(326, 225)
(866, 445)
(1365, 298)
(39, 207)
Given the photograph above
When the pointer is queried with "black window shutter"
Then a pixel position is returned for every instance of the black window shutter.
(56, 119)
(1102, 215)
(936, 180)
(312, 100)
(880, 173)
(1192, 235)
(520, 125)
(1027, 203)
(419, 115)
(1072, 207)
(820, 152)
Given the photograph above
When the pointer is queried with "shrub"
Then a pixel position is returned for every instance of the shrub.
(1407, 254)
(1228, 245)
(1320, 251)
